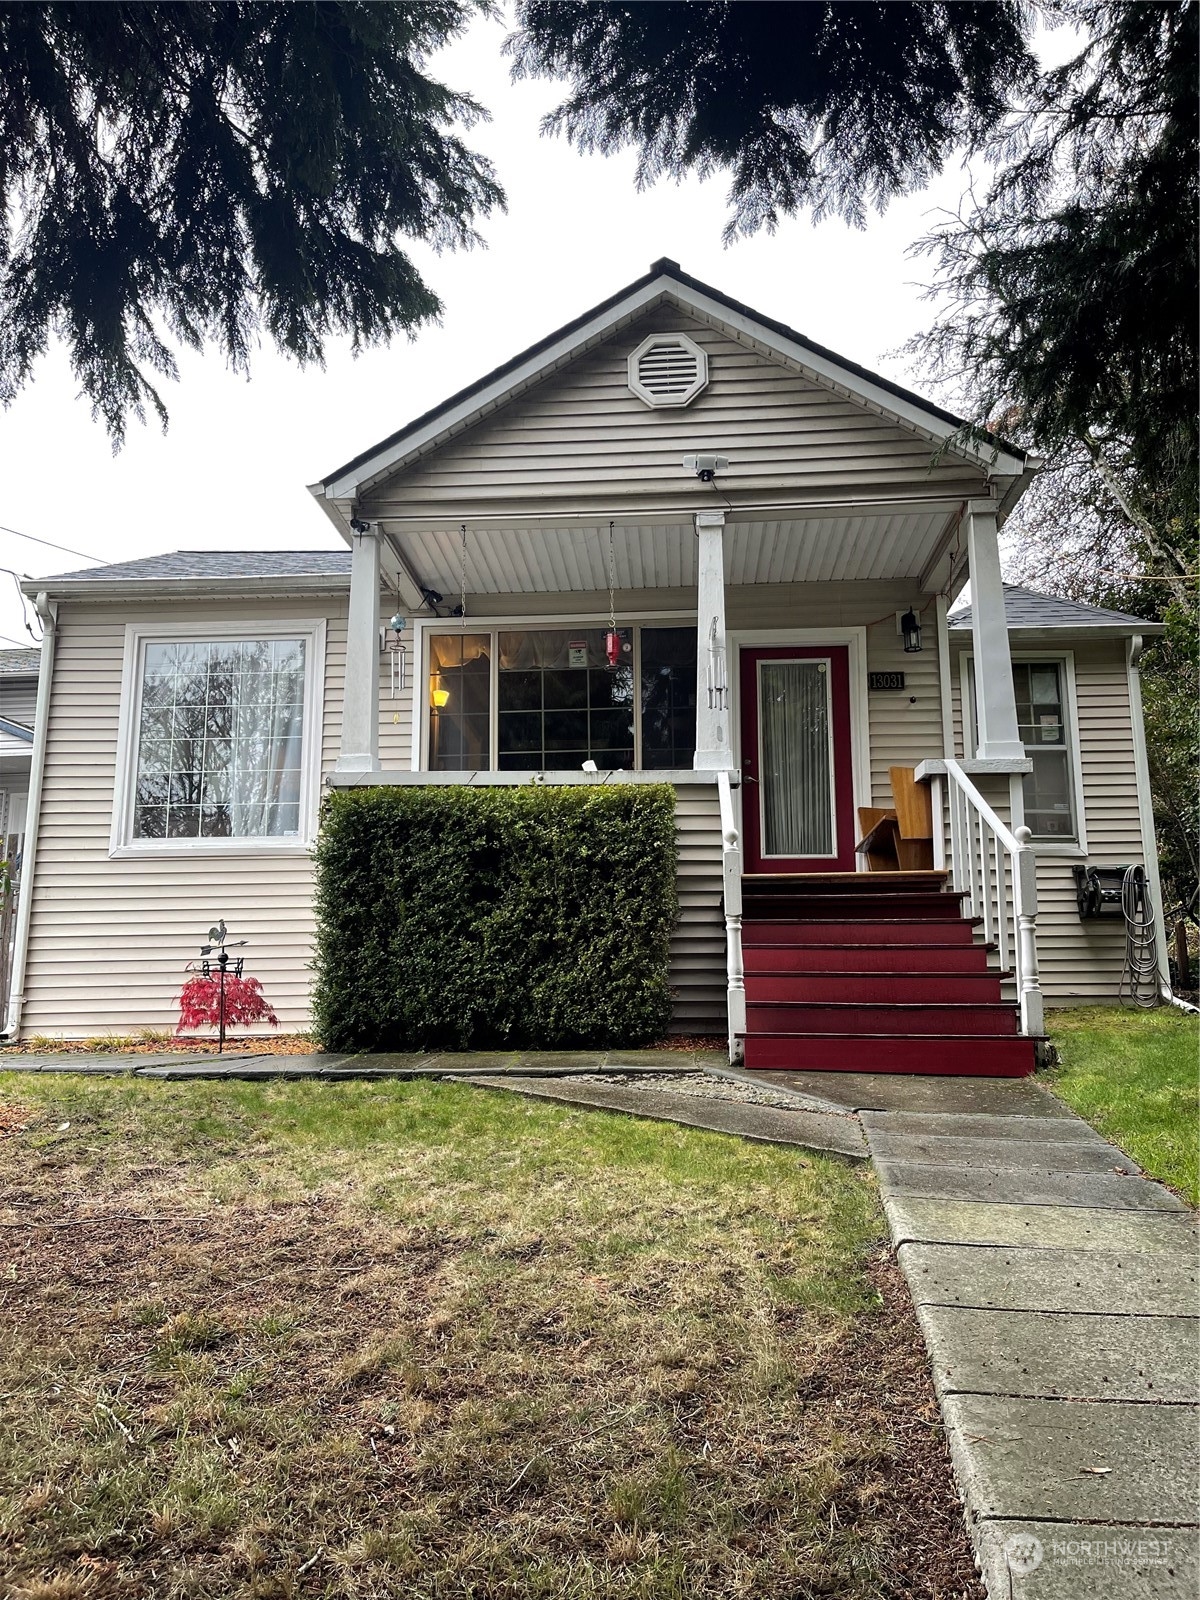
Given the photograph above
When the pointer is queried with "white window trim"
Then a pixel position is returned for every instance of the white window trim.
(122, 843)
(1075, 848)
(423, 626)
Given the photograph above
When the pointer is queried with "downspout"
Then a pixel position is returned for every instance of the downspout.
(1141, 763)
(41, 728)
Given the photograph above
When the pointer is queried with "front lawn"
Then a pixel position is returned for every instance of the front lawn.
(294, 1340)
(1133, 1075)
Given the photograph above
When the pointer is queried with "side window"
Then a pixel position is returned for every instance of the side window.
(1043, 719)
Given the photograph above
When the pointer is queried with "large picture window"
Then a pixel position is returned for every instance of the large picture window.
(218, 741)
(538, 699)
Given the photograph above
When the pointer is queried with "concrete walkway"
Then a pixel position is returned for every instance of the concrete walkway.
(1055, 1285)
(1057, 1291)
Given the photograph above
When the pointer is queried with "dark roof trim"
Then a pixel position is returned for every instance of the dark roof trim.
(669, 271)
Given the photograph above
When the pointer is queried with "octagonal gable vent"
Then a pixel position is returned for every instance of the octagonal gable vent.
(668, 369)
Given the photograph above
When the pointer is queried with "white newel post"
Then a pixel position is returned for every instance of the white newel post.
(1025, 905)
(996, 704)
(360, 706)
(735, 971)
(714, 697)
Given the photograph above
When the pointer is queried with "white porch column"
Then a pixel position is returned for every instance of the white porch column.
(360, 705)
(995, 700)
(713, 694)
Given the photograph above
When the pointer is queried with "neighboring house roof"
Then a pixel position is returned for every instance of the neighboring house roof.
(217, 564)
(195, 571)
(665, 279)
(20, 663)
(1028, 610)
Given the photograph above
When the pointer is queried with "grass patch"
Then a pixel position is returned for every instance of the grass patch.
(311, 1341)
(1133, 1075)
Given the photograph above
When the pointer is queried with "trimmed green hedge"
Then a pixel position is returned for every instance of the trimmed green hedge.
(460, 918)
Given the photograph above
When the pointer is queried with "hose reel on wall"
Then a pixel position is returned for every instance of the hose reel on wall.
(1125, 892)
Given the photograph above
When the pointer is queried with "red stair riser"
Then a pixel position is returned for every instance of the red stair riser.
(761, 956)
(955, 931)
(874, 988)
(814, 1019)
(970, 1057)
(907, 908)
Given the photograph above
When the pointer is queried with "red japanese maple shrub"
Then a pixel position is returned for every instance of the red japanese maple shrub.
(200, 1003)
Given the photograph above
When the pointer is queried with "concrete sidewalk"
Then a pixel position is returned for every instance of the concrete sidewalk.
(1057, 1291)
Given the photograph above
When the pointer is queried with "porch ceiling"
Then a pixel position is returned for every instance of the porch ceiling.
(551, 560)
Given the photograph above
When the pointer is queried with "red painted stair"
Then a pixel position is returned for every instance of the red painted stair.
(872, 972)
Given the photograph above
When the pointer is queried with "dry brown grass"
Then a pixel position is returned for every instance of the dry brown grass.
(299, 1341)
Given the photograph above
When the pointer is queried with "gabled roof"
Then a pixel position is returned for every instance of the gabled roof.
(20, 663)
(665, 280)
(1025, 608)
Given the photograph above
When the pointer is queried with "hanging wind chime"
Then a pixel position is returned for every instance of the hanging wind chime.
(397, 652)
(612, 639)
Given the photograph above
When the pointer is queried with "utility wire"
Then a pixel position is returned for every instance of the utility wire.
(50, 544)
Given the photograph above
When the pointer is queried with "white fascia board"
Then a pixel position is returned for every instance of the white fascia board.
(413, 444)
(337, 514)
(282, 586)
(832, 375)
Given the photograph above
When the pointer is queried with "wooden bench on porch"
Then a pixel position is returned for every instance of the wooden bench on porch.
(899, 840)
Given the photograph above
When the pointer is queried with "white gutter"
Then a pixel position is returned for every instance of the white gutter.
(41, 728)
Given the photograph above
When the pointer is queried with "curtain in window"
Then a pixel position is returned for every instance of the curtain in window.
(220, 740)
(795, 775)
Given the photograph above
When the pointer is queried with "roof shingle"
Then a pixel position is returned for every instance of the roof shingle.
(215, 564)
(1025, 608)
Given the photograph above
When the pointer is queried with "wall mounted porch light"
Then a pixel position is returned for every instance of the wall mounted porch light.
(910, 627)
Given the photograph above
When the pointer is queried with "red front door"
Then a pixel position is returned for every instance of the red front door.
(797, 765)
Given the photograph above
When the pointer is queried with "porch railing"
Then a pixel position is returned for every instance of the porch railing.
(996, 868)
(731, 867)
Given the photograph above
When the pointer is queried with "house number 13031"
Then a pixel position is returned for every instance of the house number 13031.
(885, 680)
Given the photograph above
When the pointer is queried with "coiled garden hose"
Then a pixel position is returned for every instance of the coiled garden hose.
(1141, 984)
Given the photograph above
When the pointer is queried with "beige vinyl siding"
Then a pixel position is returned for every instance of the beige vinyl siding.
(697, 971)
(18, 699)
(581, 432)
(1082, 961)
(109, 938)
(18, 702)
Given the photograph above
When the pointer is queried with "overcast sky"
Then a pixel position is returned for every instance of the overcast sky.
(232, 467)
